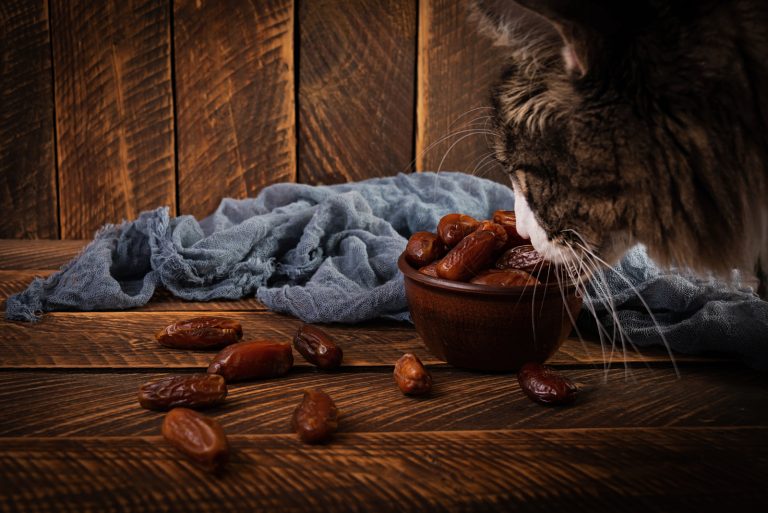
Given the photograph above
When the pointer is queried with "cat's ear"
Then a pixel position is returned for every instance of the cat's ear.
(508, 23)
(587, 28)
(583, 25)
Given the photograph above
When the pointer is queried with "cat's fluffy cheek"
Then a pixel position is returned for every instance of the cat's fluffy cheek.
(528, 227)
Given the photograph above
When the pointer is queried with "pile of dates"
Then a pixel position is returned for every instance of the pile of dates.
(487, 252)
(201, 438)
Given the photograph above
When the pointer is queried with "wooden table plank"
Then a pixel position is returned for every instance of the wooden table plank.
(28, 201)
(356, 89)
(114, 111)
(104, 404)
(126, 340)
(37, 254)
(234, 99)
(628, 470)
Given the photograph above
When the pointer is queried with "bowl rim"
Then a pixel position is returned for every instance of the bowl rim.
(473, 288)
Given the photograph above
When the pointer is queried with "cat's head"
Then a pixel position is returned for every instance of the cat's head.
(624, 122)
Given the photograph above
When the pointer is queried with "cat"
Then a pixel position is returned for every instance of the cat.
(639, 121)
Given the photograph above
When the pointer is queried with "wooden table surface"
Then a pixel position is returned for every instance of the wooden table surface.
(73, 437)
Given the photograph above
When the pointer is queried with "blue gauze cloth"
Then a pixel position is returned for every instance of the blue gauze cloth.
(329, 254)
(693, 314)
(321, 253)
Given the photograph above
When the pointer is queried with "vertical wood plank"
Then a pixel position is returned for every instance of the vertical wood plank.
(28, 203)
(356, 89)
(457, 68)
(234, 99)
(114, 110)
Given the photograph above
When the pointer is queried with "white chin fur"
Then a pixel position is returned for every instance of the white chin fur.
(528, 227)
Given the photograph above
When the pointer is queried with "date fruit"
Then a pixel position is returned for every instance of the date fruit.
(252, 360)
(192, 391)
(507, 219)
(507, 278)
(424, 248)
(411, 375)
(430, 270)
(317, 347)
(316, 418)
(197, 436)
(452, 228)
(545, 385)
(524, 258)
(472, 255)
(501, 233)
(200, 333)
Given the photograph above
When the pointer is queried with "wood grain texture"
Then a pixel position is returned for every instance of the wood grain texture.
(234, 99)
(457, 68)
(126, 340)
(114, 112)
(601, 470)
(104, 404)
(37, 254)
(28, 201)
(356, 89)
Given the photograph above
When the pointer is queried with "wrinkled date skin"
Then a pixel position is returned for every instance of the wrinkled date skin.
(191, 391)
(200, 333)
(317, 347)
(424, 248)
(544, 385)
(197, 436)
(316, 419)
(507, 219)
(430, 270)
(498, 230)
(507, 278)
(252, 360)
(452, 228)
(411, 376)
(472, 255)
(524, 258)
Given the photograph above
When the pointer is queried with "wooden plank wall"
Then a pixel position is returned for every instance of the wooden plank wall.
(113, 107)
(114, 110)
(28, 200)
(234, 99)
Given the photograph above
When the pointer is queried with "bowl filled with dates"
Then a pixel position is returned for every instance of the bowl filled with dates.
(481, 297)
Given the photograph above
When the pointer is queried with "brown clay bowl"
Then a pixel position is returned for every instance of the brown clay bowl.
(488, 328)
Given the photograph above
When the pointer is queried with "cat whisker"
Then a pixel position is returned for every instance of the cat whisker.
(592, 272)
(451, 133)
(568, 310)
(486, 107)
(601, 332)
(485, 168)
(480, 161)
(468, 133)
(443, 139)
(604, 295)
(475, 132)
(642, 300)
(533, 306)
